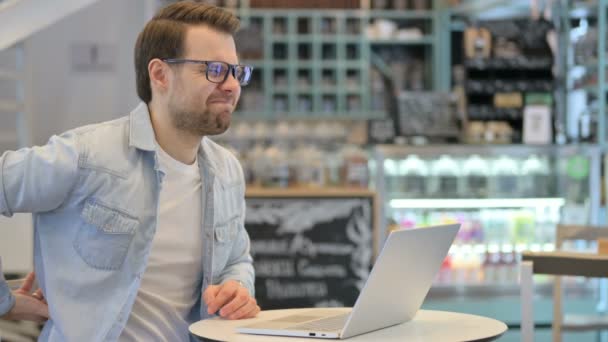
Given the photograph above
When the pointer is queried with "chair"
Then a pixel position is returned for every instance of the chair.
(561, 263)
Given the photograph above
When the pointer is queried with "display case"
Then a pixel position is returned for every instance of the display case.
(508, 198)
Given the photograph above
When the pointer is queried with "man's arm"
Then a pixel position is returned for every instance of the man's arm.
(36, 179)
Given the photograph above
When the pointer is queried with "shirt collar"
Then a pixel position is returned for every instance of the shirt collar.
(141, 133)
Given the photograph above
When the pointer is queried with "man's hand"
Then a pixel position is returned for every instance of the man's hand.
(28, 306)
(232, 299)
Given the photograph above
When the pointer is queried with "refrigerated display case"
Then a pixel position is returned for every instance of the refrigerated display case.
(508, 198)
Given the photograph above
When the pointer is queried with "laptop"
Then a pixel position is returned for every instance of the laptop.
(393, 293)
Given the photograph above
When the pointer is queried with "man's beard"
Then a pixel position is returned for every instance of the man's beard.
(202, 122)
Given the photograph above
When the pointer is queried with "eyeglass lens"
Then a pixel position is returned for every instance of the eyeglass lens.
(217, 72)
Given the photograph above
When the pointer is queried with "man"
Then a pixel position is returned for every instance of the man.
(139, 221)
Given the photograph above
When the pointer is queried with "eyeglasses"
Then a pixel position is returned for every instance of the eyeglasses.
(217, 72)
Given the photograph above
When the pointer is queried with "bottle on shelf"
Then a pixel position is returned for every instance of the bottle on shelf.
(496, 226)
(523, 227)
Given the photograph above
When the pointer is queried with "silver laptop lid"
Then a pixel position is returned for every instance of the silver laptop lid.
(401, 278)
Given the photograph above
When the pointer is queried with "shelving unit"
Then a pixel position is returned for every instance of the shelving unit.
(497, 88)
(314, 63)
(583, 39)
(303, 56)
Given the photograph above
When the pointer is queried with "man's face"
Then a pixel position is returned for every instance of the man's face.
(195, 104)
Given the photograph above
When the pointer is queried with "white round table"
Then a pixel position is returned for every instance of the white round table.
(427, 326)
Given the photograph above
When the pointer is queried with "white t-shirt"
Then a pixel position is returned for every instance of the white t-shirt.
(169, 287)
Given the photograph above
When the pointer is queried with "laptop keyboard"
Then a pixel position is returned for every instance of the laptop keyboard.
(324, 324)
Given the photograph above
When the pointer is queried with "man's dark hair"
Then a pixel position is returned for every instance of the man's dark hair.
(164, 36)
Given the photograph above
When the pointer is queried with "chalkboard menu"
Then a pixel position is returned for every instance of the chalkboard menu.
(310, 250)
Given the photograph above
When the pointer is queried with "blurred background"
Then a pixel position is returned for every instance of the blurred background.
(373, 115)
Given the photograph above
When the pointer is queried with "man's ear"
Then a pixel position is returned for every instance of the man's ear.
(159, 73)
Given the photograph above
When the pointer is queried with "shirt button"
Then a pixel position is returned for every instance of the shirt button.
(209, 235)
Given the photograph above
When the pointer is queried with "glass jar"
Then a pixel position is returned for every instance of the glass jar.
(414, 173)
(278, 175)
(476, 172)
(355, 172)
(445, 175)
(309, 166)
(535, 177)
(392, 177)
(333, 168)
(256, 159)
(505, 178)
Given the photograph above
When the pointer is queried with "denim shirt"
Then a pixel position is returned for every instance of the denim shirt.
(94, 193)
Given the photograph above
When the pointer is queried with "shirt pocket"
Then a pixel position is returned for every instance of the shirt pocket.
(104, 238)
(225, 234)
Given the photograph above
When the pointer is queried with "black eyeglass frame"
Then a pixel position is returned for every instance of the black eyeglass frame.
(231, 69)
